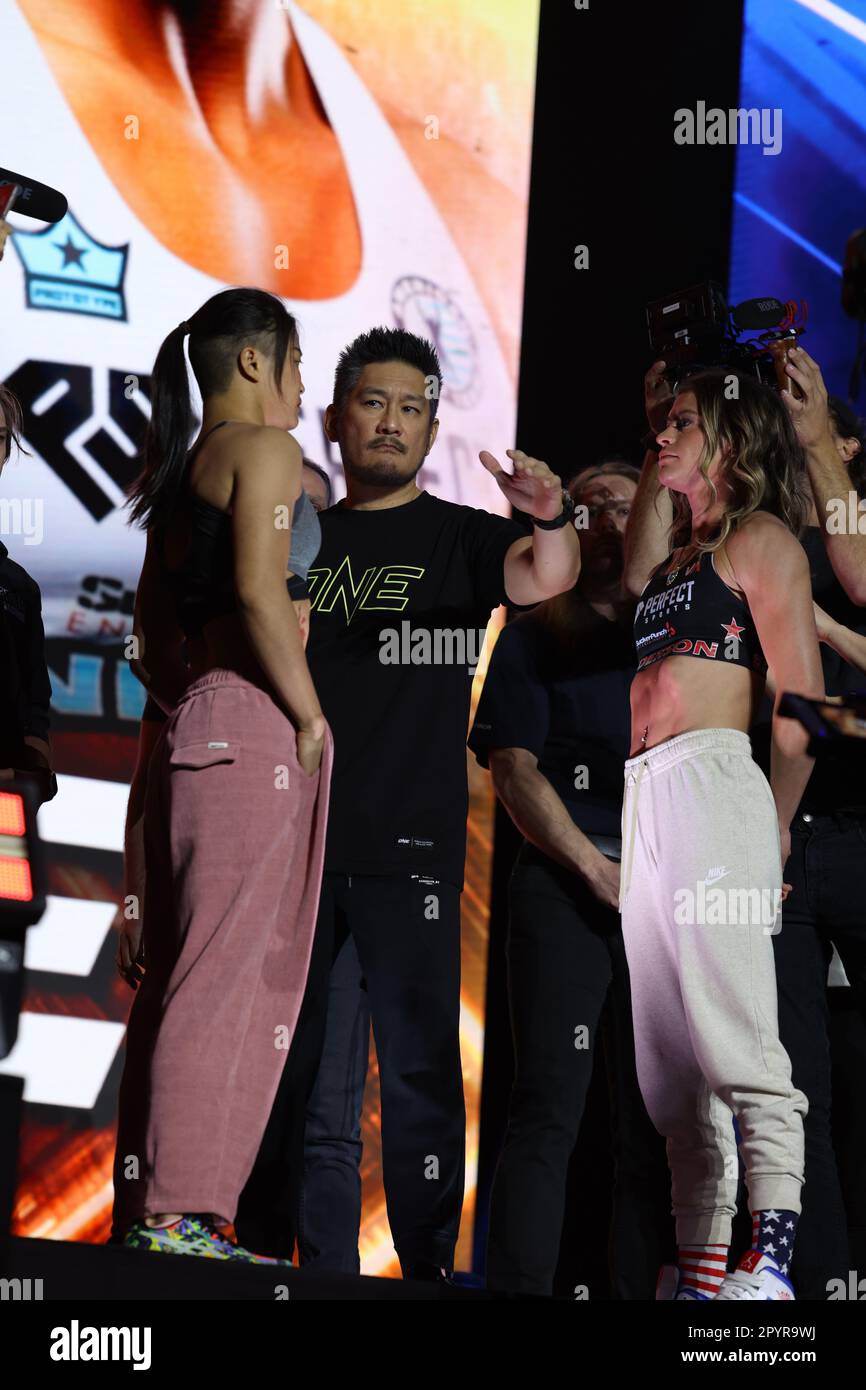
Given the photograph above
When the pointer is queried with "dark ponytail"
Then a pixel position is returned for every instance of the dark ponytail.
(217, 331)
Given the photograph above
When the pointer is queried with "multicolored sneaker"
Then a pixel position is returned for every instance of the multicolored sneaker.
(192, 1235)
(669, 1287)
(757, 1277)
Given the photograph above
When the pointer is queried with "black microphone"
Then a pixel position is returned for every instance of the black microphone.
(35, 199)
(759, 313)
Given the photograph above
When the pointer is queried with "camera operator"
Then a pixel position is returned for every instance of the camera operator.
(826, 869)
(25, 688)
(552, 725)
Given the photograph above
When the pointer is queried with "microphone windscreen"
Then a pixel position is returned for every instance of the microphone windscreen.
(759, 313)
(35, 199)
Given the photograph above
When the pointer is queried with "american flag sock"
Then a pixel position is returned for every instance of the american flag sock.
(702, 1267)
(773, 1234)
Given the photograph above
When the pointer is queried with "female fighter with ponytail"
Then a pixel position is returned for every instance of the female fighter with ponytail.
(237, 784)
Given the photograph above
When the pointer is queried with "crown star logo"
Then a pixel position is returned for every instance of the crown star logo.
(67, 270)
(732, 629)
(72, 254)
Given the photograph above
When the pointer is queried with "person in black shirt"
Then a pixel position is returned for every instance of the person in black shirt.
(401, 593)
(25, 686)
(553, 726)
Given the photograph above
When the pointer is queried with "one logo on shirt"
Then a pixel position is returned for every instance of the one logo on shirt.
(67, 269)
(380, 588)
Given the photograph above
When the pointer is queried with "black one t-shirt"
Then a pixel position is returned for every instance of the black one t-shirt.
(568, 704)
(401, 597)
(837, 779)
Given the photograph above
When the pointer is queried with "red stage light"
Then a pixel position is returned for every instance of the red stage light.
(15, 881)
(12, 814)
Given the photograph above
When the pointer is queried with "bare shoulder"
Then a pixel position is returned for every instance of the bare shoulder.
(262, 457)
(266, 442)
(763, 544)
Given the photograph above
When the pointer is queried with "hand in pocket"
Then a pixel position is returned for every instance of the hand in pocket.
(310, 747)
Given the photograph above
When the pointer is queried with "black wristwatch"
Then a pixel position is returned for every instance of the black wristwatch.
(564, 516)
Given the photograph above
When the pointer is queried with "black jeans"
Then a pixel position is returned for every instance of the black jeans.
(406, 932)
(826, 907)
(329, 1219)
(565, 960)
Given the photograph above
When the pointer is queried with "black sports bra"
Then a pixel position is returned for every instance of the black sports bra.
(203, 586)
(692, 612)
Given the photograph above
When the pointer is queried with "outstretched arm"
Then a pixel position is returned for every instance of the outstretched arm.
(547, 562)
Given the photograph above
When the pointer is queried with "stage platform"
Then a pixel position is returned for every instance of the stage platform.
(72, 1271)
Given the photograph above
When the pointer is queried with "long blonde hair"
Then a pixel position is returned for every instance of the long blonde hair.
(766, 467)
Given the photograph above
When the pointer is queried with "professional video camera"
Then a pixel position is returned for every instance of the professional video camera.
(694, 329)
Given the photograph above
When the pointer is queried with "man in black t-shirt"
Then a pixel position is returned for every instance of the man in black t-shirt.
(401, 591)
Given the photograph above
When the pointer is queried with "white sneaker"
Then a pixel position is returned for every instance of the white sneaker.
(757, 1277)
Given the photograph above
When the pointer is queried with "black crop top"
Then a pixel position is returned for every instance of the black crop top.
(203, 586)
(692, 612)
